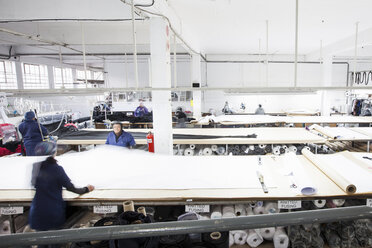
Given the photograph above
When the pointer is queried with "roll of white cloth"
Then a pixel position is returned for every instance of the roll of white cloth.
(254, 239)
(240, 237)
(281, 239)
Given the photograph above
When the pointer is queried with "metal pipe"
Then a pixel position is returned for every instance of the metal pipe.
(183, 227)
(174, 61)
(135, 46)
(355, 49)
(267, 53)
(296, 47)
(61, 64)
(84, 60)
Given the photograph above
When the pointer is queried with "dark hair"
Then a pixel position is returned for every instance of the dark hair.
(117, 123)
(49, 160)
(259, 105)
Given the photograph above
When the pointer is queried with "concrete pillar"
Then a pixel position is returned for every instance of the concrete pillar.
(19, 70)
(327, 82)
(161, 78)
(51, 76)
(196, 79)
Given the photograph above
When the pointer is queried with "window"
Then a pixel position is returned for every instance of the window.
(8, 76)
(35, 76)
(64, 79)
(80, 78)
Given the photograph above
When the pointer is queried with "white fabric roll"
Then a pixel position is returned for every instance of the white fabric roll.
(254, 239)
(276, 150)
(192, 146)
(281, 239)
(221, 150)
(231, 239)
(267, 233)
(262, 146)
(216, 212)
(240, 210)
(338, 202)
(175, 151)
(292, 149)
(207, 151)
(214, 148)
(189, 152)
(228, 211)
(259, 210)
(249, 211)
(271, 207)
(319, 203)
(181, 152)
(240, 237)
(251, 147)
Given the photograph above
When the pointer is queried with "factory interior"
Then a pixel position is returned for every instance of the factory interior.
(186, 123)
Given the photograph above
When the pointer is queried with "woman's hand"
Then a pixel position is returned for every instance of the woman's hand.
(90, 187)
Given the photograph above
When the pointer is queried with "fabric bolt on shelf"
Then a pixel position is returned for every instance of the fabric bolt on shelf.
(217, 239)
(271, 207)
(280, 239)
(267, 233)
(231, 239)
(228, 211)
(240, 237)
(216, 212)
(239, 210)
(254, 239)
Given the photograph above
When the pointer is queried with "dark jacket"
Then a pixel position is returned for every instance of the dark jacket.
(31, 135)
(125, 139)
(48, 208)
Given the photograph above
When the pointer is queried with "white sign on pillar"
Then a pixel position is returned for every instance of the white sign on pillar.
(161, 78)
(196, 81)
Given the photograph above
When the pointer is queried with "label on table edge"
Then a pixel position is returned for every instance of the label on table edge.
(289, 204)
(105, 209)
(11, 210)
(197, 208)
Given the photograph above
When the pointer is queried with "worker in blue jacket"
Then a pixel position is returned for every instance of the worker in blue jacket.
(47, 211)
(30, 131)
(119, 137)
(141, 110)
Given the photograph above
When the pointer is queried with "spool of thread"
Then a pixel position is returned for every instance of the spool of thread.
(189, 152)
(214, 148)
(319, 203)
(207, 151)
(240, 237)
(254, 239)
(192, 146)
(228, 211)
(141, 210)
(216, 212)
(259, 210)
(128, 206)
(231, 239)
(267, 233)
(221, 150)
(272, 208)
(240, 210)
(281, 239)
(338, 202)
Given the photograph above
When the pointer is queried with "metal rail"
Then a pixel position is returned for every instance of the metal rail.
(180, 227)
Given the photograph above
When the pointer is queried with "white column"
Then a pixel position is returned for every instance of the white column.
(19, 69)
(327, 81)
(161, 78)
(51, 76)
(196, 79)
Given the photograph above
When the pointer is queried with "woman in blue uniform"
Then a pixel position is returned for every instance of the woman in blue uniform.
(47, 211)
(119, 137)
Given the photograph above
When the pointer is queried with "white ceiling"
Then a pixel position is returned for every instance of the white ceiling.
(217, 26)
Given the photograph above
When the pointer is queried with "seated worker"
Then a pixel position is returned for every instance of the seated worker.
(141, 110)
(119, 137)
(259, 110)
(30, 131)
(226, 109)
(181, 117)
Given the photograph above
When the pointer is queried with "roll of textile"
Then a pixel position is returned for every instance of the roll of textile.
(276, 150)
(214, 148)
(281, 150)
(259, 210)
(217, 239)
(189, 152)
(181, 152)
(281, 239)
(271, 207)
(231, 239)
(243, 148)
(249, 211)
(267, 233)
(299, 244)
(240, 237)
(292, 149)
(251, 147)
(262, 146)
(200, 152)
(221, 150)
(192, 146)
(268, 149)
(240, 210)
(175, 151)
(338, 202)
(180, 240)
(228, 211)
(319, 203)
(254, 239)
(216, 212)
(207, 151)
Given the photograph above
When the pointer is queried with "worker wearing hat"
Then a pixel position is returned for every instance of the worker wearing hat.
(47, 211)
(31, 134)
(119, 137)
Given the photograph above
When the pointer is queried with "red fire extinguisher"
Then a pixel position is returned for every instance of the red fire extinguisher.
(150, 142)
